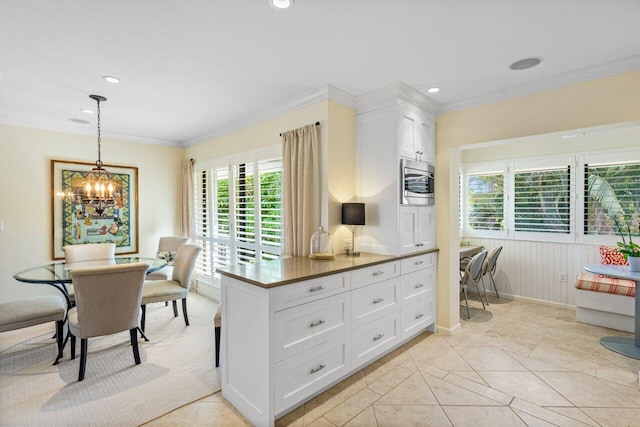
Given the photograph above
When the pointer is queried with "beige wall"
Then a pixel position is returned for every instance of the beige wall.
(25, 209)
(599, 102)
(337, 139)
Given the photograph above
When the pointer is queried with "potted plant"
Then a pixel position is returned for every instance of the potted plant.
(629, 249)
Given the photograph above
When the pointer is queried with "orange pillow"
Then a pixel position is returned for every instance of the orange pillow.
(611, 256)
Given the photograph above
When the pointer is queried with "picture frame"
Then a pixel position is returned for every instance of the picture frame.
(75, 220)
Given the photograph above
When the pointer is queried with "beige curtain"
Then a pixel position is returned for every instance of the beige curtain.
(186, 218)
(300, 189)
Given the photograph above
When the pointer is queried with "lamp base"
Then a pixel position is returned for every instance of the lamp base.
(349, 253)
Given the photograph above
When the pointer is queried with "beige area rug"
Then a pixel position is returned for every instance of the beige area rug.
(178, 367)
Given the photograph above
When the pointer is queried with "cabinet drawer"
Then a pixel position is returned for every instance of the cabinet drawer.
(417, 316)
(304, 374)
(374, 301)
(299, 328)
(420, 262)
(310, 290)
(375, 338)
(377, 273)
(417, 284)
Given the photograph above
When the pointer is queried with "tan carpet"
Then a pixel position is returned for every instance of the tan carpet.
(178, 367)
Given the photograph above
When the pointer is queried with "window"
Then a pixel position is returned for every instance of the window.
(485, 201)
(238, 212)
(612, 192)
(542, 200)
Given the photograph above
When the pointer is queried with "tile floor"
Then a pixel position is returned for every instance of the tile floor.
(515, 364)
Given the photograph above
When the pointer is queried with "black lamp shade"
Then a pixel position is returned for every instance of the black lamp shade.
(353, 213)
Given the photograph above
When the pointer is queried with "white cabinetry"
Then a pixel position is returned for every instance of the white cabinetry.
(383, 137)
(417, 228)
(415, 134)
(281, 346)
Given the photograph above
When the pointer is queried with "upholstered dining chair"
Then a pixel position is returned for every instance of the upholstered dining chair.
(490, 265)
(87, 252)
(107, 301)
(176, 288)
(472, 276)
(167, 250)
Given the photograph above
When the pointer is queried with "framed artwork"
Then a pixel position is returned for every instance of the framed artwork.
(78, 219)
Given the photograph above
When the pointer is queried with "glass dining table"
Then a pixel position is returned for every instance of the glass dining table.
(56, 274)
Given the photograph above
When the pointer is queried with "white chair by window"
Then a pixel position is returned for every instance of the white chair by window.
(472, 276)
(176, 288)
(167, 250)
(108, 301)
(490, 266)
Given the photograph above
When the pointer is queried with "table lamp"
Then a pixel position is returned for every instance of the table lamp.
(353, 214)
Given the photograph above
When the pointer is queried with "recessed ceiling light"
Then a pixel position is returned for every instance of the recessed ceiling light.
(84, 110)
(281, 4)
(84, 122)
(433, 89)
(526, 63)
(111, 79)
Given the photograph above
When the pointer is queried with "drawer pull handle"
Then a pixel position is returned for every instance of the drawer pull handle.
(419, 262)
(377, 337)
(316, 288)
(319, 368)
(378, 300)
(419, 285)
(419, 315)
(318, 323)
(377, 273)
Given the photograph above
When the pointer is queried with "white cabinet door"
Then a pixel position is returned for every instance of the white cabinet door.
(425, 143)
(407, 135)
(408, 227)
(426, 227)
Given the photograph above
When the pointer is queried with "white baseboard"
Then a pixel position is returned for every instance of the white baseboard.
(449, 331)
(208, 291)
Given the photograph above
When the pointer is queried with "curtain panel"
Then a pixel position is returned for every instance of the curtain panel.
(300, 189)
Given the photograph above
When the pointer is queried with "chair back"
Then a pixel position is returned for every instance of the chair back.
(89, 252)
(185, 263)
(491, 261)
(171, 243)
(108, 299)
(473, 271)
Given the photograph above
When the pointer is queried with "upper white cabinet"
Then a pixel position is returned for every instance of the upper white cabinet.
(415, 134)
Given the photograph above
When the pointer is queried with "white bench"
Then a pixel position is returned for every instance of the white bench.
(605, 301)
(34, 311)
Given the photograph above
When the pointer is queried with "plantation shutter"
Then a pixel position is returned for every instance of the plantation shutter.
(270, 190)
(485, 202)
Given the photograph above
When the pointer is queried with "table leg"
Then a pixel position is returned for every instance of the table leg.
(627, 346)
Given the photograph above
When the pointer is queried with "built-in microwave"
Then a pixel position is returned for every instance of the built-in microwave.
(416, 179)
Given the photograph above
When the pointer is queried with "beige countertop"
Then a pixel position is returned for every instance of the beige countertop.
(269, 274)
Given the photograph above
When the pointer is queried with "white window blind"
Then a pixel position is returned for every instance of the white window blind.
(542, 200)
(485, 193)
(612, 192)
(238, 216)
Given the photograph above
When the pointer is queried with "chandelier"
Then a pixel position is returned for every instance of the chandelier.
(98, 187)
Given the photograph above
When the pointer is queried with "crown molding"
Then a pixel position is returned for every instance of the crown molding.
(617, 67)
(312, 97)
(79, 129)
(388, 96)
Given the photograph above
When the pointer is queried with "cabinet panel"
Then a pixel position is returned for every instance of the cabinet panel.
(375, 338)
(407, 134)
(310, 290)
(300, 328)
(308, 372)
(426, 233)
(417, 284)
(372, 302)
(408, 227)
(418, 315)
(377, 273)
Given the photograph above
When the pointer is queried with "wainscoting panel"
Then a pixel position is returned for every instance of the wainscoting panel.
(533, 269)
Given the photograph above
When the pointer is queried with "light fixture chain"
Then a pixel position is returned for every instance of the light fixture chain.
(99, 162)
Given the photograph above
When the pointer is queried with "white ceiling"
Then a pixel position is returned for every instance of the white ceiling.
(191, 68)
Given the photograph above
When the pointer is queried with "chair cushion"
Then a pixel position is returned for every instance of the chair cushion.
(611, 256)
(165, 273)
(162, 290)
(217, 319)
(169, 256)
(609, 285)
(31, 311)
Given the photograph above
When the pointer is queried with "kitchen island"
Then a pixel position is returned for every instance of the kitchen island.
(294, 327)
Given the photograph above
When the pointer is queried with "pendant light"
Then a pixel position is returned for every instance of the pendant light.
(99, 187)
